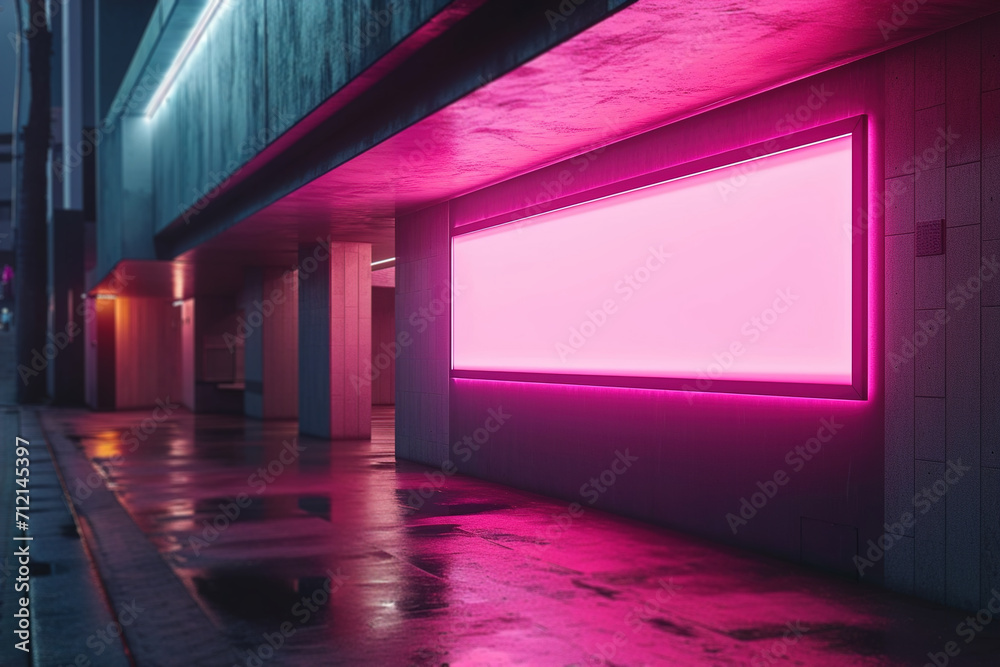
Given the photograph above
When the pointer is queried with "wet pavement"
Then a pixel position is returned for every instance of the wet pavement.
(66, 605)
(295, 551)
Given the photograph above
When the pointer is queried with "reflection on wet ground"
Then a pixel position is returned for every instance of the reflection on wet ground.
(272, 532)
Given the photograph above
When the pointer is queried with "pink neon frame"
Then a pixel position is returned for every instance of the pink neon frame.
(856, 127)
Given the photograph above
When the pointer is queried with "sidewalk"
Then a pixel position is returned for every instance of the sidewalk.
(71, 618)
(247, 545)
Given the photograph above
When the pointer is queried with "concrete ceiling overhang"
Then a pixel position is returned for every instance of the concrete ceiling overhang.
(653, 63)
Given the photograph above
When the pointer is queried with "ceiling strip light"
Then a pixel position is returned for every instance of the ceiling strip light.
(192, 40)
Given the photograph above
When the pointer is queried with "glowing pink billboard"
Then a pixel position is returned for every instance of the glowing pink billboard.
(738, 273)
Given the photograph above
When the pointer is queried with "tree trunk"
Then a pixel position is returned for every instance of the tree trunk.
(30, 274)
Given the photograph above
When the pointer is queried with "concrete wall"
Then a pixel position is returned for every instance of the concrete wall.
(188, 354)
(943, 404)
(147, 352)
(262, 67)
(280, 345)
(125, 194)
(253, 346)
(218, 355)
(110, 214)
(269, 305)
(100, 354)
(383, 339)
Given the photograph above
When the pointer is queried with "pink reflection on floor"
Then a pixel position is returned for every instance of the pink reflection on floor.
(449, 570)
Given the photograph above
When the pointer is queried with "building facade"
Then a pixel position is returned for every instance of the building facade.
(284, 190)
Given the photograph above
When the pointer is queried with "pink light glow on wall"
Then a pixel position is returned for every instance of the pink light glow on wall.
(740, 273)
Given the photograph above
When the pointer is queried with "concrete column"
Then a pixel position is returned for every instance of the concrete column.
(423, 274)
(334, 340)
